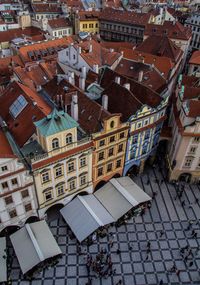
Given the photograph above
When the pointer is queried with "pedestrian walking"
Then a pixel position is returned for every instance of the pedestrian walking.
(147, 257)
(148, 244)
(177, 272)
(191, 263)
(161, 282)
(183, 203)
(161, 233)
(118, 251)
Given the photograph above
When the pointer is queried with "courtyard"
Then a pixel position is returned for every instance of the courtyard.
(167, 215)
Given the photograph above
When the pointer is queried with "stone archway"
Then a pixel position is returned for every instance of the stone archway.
(99, 185)
(32, 219)
(9, 230)
(133, 170)
(53, 212)
(185, 177)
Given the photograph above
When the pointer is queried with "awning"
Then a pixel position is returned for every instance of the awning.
(3, 260)
(33, 244)
(84, 215)
(114, 202)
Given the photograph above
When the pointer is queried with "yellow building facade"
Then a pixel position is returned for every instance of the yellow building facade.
(87, 21)
(65, 167)
(109, 150)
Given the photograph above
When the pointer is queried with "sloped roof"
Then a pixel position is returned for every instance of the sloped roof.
(194, 108)
(5, 148)
(170, 29)
(88, 15)
(122, 16)
(59, 23)
(55, 122)
(46, 8)
(195, 58)
(160, 46)
(8, 36)
(22, 127)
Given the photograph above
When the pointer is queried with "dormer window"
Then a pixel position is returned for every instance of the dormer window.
(68, 138)
(55, 143)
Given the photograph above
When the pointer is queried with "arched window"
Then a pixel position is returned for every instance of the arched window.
(112, 124)
(55, 143)
(68, 138)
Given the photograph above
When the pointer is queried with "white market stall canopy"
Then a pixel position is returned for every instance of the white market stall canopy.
(85, 214)
(33, 244)
(3, 260)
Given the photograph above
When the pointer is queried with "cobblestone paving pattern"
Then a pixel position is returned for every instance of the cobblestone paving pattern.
(166, 214)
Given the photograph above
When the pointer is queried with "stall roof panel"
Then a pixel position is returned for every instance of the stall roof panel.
(3, 261)
(24, 249)
(79, 219)
(115, 203)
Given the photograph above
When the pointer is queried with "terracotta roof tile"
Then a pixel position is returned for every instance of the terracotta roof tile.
(44, 46)
(118, 46)
(123, 16)
(5, 149)
(59, 23)
(191, 81)
(195, 58)
(191, 92)
(161, 46)
(8, 36)
(46, 8)
(194, 108)
(163, 64)
(88, 15)
(173, 31)
(22, 127)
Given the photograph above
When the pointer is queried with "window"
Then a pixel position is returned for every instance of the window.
(111, 151)
(118, 163)
(112, 139)
(188, 162)
(12, 213)
(120, 148)
(55, 143)
(8, 200)
(96, 25)
(48, 195)
(146, 122)
(4, 185)
(4, 168)
(59, 171)
(25, 193)
(17, 106)
(101, 155)
(196, 139)
(112, 124)
(28, 207)
(45, 177)
(55, 34)
(82, 161)
(109, 167)
(84, 26)
(122, 135)
(72, 185)
(100, 171)
(139, 125)
(91, 25)
(60, 190)
(102, 143)
(83, 180)
(68, 139)
(71, 166)
(193, 149)
(14, 181)
(135, 139)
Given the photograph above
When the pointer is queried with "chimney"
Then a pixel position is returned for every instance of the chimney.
(117, 79)
(111, 50)
(140, 76)
(82, 83)
(74, 107)
(79, 50)
(83, 72)
(57, 99)
(96, 68)
(71, 78)
(105, 101)
(127, 86)
(90, 47)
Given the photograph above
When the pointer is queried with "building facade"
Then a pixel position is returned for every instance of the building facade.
(194, 23)
(184, 149)
(17, 192)
(65, 168)
(86, 21)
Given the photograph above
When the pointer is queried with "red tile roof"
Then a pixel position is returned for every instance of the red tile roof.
(91, 114)
(22, 127)
(59, 23)
(46, 8)
(15, 59)
(173, 31)
(56, 44)
(5, 149)
(88, 15)
(191, 81)
(127, 17)
(74, 4)
(151, 77)
(161, 46)
(191, 92)
(195, 58)
(99, 55)
(118, 46)
(124, 101)
(194, 108)
(8, 36)
(163, 64)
